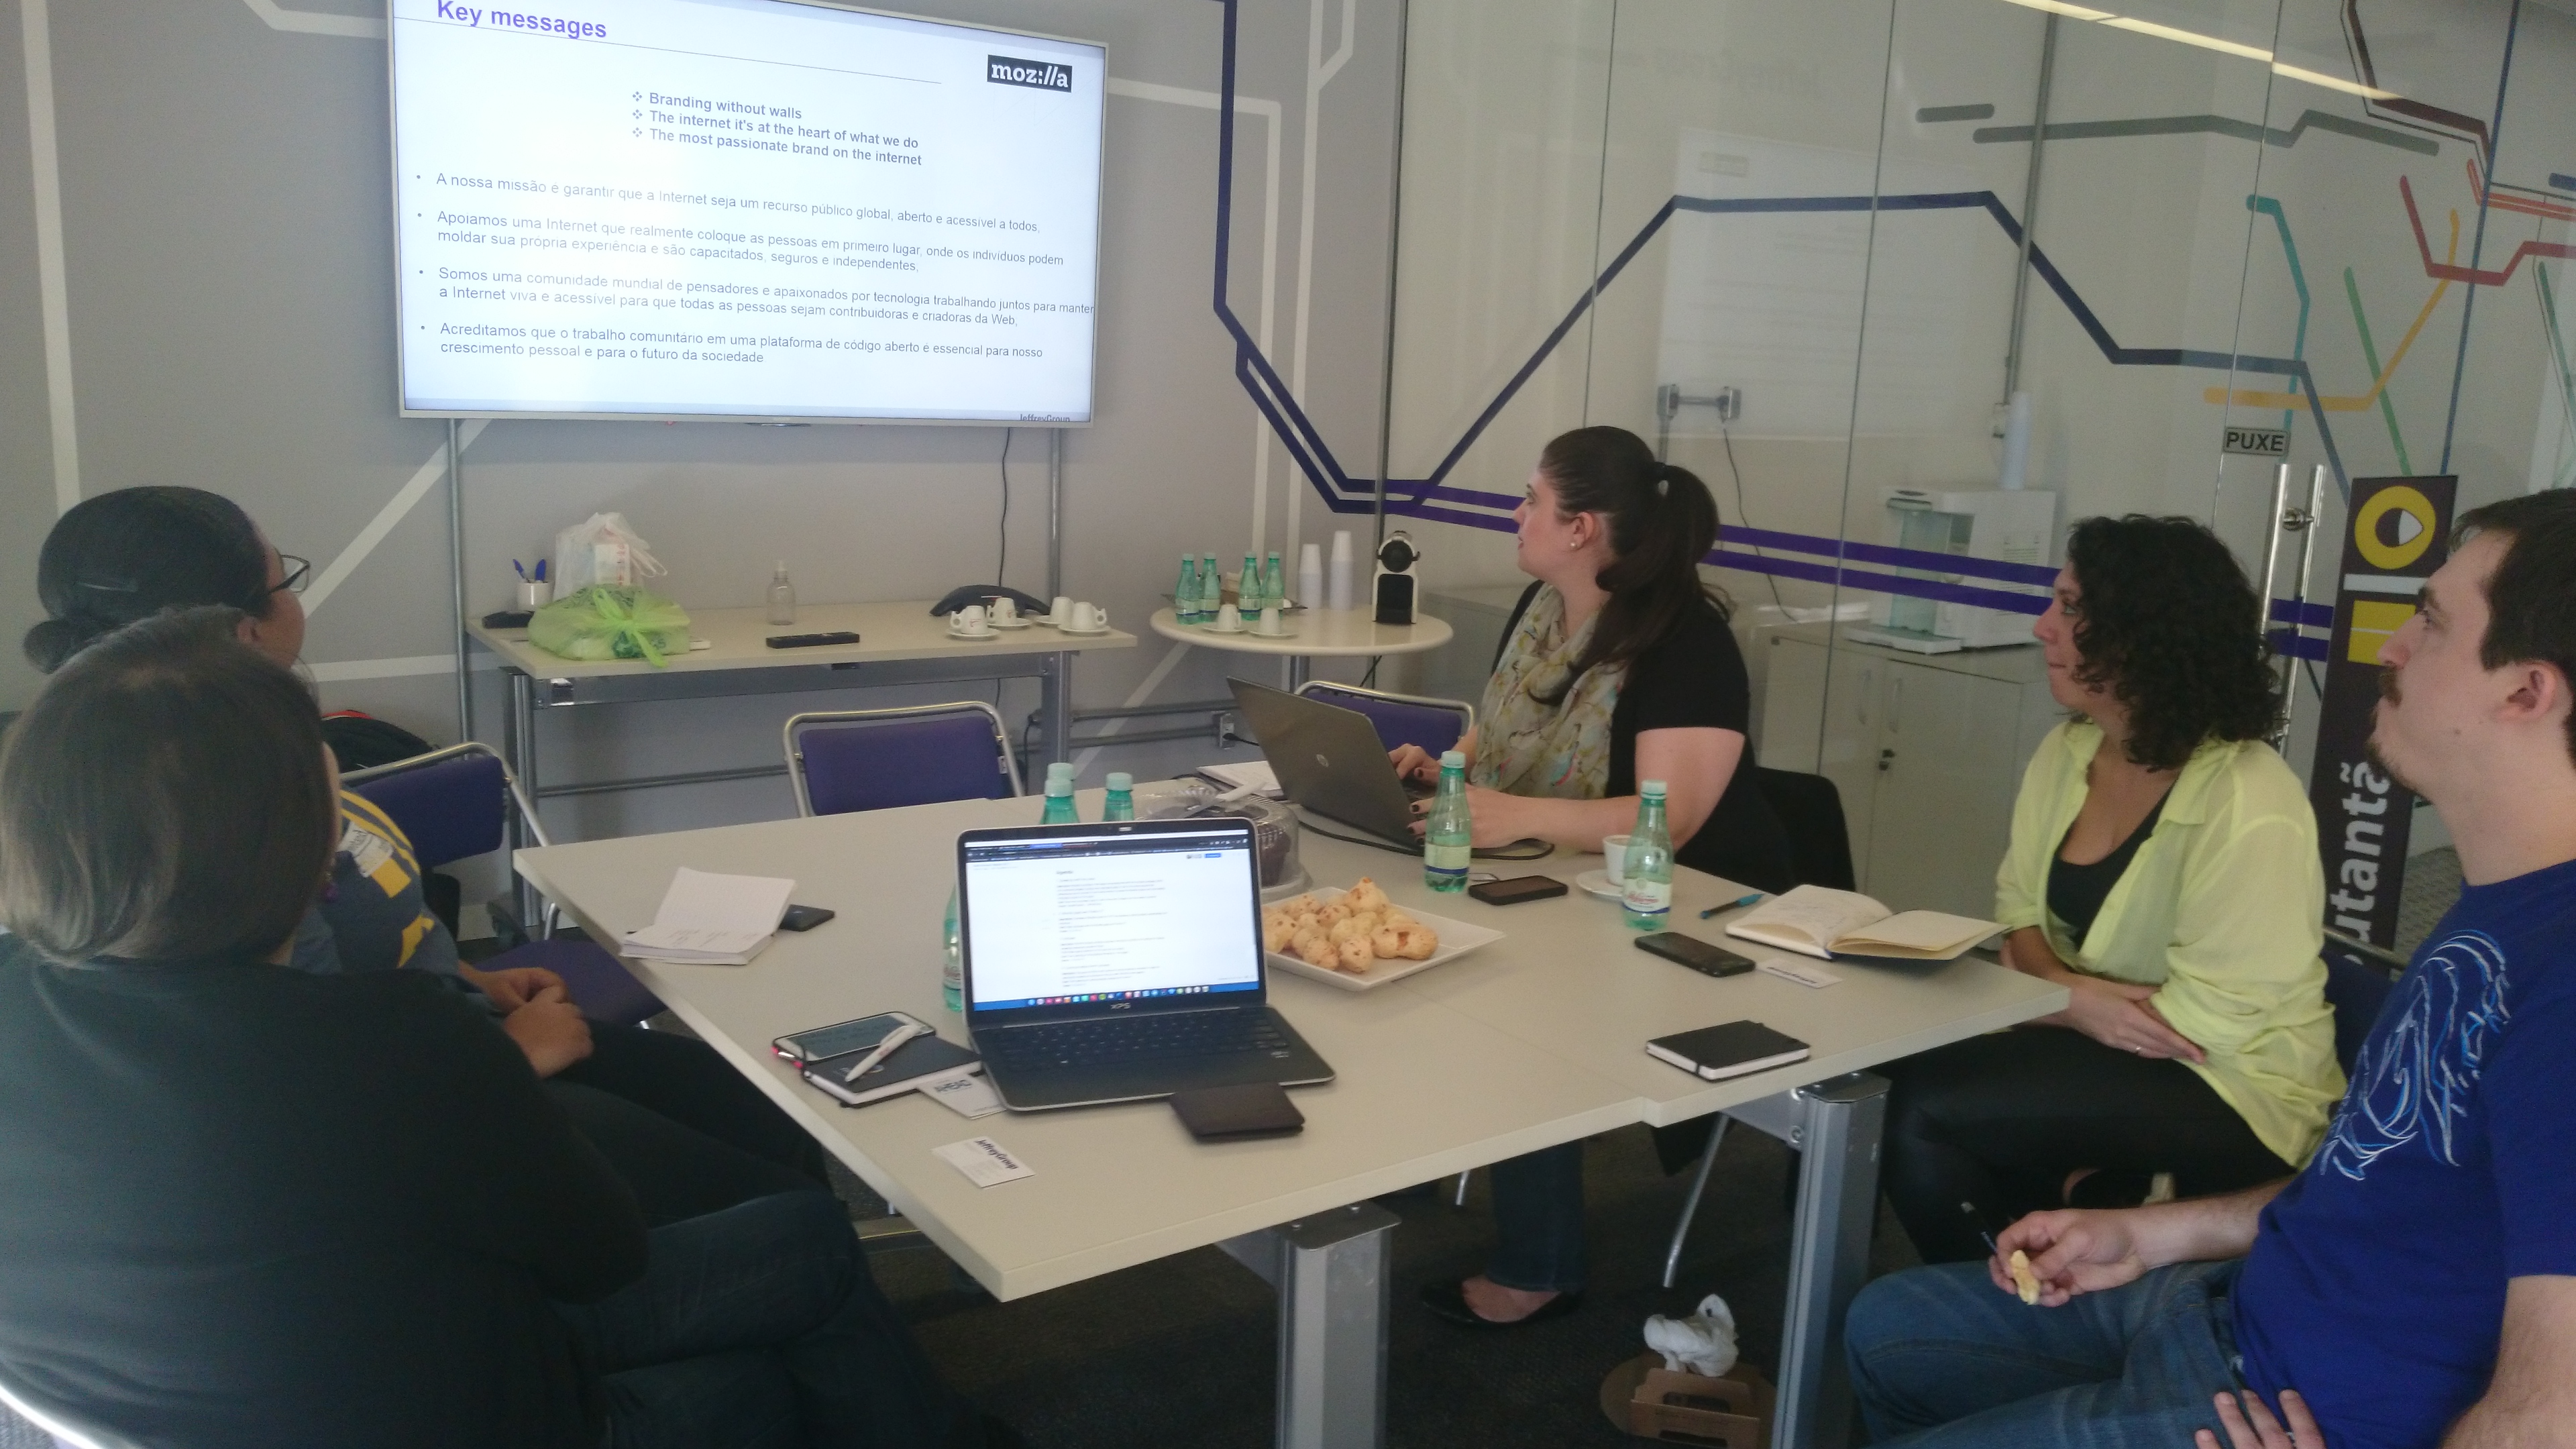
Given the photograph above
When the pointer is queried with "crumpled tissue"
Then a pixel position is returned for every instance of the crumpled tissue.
(1703, 1343)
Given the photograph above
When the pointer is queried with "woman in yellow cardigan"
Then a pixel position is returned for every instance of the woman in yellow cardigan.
(2163, 868)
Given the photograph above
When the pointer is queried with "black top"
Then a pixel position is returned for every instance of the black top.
(1693, 678)
(245, 1206)
(2076, 892)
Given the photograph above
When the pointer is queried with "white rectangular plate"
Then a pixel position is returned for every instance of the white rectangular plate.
(1457, 938)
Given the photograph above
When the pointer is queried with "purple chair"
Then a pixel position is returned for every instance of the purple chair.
(879, 759)
(1401, 719)
(455, 803)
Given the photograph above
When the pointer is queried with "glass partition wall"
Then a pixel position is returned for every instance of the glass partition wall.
(1785, 241)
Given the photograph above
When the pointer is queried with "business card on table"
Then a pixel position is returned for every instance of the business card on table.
(985, 1162)
(965, 1096)
(1805, 973)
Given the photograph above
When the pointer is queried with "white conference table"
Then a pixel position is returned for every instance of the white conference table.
(1532, 1041)
(1319, 634)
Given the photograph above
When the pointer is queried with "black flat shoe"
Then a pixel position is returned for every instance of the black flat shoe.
(1448, 1299)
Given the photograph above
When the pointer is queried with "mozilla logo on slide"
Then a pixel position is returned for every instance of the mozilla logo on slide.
(1044, 75)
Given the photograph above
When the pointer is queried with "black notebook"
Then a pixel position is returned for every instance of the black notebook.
(1732, 1050)
(921, 1062)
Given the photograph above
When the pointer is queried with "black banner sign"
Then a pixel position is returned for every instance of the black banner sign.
(2399, 532)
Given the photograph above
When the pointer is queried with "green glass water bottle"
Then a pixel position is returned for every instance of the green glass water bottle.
(1121, 804)
(1274, 584)
(1211, 589)
(1185, 594)
(1247, 592)
(1059, 796)
(1648, 865)
(1447, 832)
(952, 969)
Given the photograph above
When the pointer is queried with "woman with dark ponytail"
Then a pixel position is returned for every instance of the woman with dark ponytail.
(1616, 667)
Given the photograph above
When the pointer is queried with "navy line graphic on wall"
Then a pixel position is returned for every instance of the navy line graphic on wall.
(1314, 457)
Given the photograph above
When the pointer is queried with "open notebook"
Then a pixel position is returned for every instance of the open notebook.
(1825, 923)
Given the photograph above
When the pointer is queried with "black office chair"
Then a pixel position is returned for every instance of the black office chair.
(1811, 812)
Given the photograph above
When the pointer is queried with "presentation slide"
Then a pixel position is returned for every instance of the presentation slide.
(743, 208)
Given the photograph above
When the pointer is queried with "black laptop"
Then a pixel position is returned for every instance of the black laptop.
(1117, 962)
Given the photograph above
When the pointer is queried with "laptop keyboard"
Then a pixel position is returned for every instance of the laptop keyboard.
(1159, 1037)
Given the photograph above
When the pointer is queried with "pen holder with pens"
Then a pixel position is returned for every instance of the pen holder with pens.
(535, 594)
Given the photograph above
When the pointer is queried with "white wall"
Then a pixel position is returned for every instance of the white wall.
(1541, 135)
(227, 288)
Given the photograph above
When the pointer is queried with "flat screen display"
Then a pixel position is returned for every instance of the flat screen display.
(742, 208)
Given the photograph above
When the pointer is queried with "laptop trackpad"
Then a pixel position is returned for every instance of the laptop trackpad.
(1235, 1114)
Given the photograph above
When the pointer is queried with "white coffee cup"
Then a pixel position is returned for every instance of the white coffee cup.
(968, 620)
(1228, 621)
(1614, 850)
(1060, 613)
(1269, 621)
(1088, 618)
(1006, 610)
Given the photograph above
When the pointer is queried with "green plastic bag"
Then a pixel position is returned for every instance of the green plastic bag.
(611, 621)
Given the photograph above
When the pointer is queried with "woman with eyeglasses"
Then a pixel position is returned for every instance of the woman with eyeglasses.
(689, 1132)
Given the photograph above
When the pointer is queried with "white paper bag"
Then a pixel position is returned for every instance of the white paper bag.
(603, 549)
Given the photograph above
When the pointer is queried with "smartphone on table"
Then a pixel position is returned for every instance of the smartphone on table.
(1695, 953)
(841, 1038)
(1516, 890)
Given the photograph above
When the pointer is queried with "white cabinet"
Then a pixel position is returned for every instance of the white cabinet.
(1927, 751)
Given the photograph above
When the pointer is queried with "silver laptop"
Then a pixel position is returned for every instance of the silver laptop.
(1330, 761)
(1120, 961)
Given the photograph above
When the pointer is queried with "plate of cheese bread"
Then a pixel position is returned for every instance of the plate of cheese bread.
(1358, 939)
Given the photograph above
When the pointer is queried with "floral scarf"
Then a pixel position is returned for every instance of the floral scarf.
(1525, 747)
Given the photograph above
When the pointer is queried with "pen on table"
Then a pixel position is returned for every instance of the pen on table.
(885, 1049)
(1731, 905)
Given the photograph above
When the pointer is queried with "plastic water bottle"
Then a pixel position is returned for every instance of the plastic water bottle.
(1274, 583)
(782, 596)
(952, 966)
(1247, 594)
(1446, 834)
(1121, 804)
(1059, 796)
(1211, 589)
(1185, 594)
(1648, 865)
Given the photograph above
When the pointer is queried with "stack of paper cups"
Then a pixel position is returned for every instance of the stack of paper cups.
(1338, 594)
(1310, 576)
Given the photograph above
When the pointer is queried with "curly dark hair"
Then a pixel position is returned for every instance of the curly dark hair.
(2169, 624)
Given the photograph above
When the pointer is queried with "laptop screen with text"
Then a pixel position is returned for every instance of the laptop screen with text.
(1077, 918)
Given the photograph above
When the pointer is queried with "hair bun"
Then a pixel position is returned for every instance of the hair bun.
(53, 641)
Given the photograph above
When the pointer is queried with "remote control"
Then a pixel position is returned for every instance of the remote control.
(809, 641)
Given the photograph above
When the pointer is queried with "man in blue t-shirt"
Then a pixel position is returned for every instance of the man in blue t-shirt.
(2416, 1284)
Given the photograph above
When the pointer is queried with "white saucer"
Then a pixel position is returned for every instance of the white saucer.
(1257, 634)
(962, 634)
(1597, 882)
(1086, 633)
(1007, 623)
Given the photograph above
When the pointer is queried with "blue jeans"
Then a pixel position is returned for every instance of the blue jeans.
(758, 1327)
(1942, 1359)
